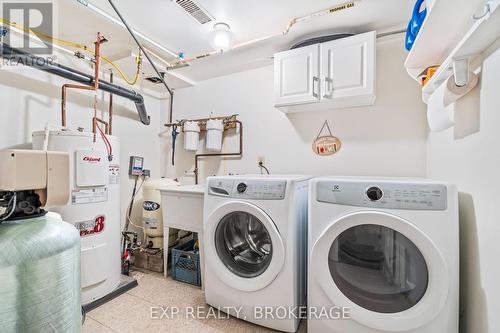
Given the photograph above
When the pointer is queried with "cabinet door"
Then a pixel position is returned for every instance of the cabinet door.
(348, 67)
(296, 76)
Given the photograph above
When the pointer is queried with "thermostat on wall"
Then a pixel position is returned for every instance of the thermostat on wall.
(136, 166)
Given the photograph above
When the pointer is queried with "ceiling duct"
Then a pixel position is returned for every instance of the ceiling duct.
(195, 11)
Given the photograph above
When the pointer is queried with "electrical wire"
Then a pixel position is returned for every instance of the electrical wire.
(107, 143)
(262, 166)
(81, 47)
(13, 202)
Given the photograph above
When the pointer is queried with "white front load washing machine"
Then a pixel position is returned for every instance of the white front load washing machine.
(255, 231)
(385, 254)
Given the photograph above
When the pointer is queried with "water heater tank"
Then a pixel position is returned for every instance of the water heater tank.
(152, 211)
(94, 208)
(39, 276)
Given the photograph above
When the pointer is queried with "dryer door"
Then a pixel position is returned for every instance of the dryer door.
(244, 245)
(383, 268)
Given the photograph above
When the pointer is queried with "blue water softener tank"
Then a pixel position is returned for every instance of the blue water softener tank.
(39, 276)
(417, 19)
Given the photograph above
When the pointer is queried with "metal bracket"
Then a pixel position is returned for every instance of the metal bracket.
(229, 122)
(486, 11)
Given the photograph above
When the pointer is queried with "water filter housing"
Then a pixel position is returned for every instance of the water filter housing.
(191, 135)
(215, 128)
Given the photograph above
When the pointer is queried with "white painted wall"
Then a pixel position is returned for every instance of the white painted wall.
(30, 98)
(387, 139)
(467, 155)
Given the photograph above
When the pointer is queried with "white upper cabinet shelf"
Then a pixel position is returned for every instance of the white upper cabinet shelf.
(445, 24)
(453, 30)
(481, 35)
(335, 74)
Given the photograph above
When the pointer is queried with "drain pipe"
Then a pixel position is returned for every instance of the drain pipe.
(146, 54)
(18, 56)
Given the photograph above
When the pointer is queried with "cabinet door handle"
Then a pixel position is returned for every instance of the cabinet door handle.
(328, 87)
(315, 81)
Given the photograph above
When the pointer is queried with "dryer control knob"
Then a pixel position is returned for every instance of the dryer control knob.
(242, 187)
(374, 193)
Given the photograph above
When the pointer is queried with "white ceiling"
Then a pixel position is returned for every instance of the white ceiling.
(168, 24)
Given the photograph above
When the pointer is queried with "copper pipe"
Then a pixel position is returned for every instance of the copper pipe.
(96, 120)
(240, 153)
(110, 109)
(96, 81)
(64, 99)
(81, 87)
(97, 60)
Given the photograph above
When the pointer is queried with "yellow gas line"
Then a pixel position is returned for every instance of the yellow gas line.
(78, 46)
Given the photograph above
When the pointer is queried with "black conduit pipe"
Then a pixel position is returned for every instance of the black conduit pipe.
(18, 56)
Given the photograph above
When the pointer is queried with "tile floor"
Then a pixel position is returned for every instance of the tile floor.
(131, 312)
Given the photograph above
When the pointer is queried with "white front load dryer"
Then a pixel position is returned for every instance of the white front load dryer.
(385, 254)
(255, 231)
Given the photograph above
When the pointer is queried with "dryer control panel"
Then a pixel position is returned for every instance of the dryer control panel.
(387, 195)
(248, 188)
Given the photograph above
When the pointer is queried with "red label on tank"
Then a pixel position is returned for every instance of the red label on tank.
(91, 159)
(91, 227)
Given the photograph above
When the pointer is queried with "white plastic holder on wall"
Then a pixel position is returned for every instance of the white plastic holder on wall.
(461, 72)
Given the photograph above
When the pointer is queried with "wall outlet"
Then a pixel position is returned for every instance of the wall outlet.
(261, 160)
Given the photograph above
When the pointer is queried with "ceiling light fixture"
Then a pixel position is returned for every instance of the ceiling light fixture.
(221, 38)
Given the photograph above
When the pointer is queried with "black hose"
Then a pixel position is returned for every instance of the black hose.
(43, 64)
(262, 166)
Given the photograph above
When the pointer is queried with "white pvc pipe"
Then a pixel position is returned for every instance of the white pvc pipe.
(48, 128)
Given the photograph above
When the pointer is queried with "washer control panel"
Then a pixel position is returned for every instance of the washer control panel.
(388, 195)
(248, 189)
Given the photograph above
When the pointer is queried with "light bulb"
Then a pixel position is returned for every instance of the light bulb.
(221, 38)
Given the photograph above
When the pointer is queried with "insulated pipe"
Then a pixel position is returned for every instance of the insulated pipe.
(7, 52)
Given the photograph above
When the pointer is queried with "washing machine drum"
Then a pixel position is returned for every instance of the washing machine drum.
(243, 244)
(378, 268)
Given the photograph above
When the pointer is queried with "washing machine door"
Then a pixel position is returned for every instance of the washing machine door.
(382, 267)
(244, 246)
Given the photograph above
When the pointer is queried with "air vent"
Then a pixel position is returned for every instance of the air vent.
(156, 79)
(198, 13)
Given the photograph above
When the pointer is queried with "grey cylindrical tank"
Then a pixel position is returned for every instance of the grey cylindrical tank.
(39, 276)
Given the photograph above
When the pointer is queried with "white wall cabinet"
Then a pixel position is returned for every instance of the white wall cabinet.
(296, 75)
(335, 74)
